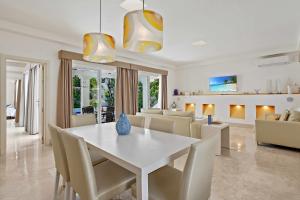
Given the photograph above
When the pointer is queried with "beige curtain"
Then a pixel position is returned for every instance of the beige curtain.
(17, 99)
(126, 91)
(64, 94)
(164, 91)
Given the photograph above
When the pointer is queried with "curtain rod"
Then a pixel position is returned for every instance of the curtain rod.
(62, 54)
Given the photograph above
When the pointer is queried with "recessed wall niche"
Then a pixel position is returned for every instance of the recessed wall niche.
(263, 110)
(237, 111)
(190, 107)
(208, 109)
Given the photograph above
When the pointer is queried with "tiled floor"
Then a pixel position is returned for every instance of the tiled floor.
(246, 172)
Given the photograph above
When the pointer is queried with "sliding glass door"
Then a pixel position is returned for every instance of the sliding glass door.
(108, 82)
(94, 93)
(149, 91)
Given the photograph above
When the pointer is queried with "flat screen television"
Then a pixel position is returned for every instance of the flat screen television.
(223, 84)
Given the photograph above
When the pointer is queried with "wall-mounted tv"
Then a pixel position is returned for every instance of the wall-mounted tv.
(223, 84)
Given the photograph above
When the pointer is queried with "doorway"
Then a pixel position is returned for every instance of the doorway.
(94, 91)
(23, 97)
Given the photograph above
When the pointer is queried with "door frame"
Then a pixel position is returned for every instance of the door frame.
(3, 77)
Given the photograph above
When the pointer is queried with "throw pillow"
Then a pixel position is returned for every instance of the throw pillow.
(294, 116)
(272, 117)
(284, 116)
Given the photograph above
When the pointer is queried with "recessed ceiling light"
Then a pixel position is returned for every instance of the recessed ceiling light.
(199, 43)
(131, 5)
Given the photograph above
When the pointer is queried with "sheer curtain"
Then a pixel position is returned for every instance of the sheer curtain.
(32, 101)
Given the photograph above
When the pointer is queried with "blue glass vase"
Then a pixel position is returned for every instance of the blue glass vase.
(123, 125)
(209, 120)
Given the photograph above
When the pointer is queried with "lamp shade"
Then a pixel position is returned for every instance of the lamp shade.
(99, 48)
(143, 31)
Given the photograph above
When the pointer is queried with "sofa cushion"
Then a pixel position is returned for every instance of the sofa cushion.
(179, 113)
(152, 111)
(272, 117)
(284, 116)
(294, 116)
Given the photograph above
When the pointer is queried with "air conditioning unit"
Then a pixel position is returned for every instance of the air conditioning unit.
(278, 59)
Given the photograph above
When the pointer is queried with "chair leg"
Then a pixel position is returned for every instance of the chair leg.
(56, 185)
(67, 191)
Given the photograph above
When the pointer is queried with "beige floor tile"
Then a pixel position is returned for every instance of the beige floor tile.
(246, 172)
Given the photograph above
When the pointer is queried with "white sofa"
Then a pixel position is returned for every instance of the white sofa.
(284, 132)
(184, 122)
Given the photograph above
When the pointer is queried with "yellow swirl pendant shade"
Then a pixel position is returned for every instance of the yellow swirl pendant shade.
(143, 31)
(99, 48)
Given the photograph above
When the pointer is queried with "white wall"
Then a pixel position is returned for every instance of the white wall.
(10, 92)
(222, 104)
(250, 77)
(31, 47)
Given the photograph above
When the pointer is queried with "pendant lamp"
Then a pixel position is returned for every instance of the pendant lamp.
(99, 47)
(143, 31)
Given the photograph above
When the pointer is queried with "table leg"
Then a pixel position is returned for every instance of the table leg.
(225, 138)
(142, 186)
(218, 150)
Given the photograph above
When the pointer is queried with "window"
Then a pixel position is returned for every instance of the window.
(154, 91)
(76, 94)
(149, 91)
(108, 82)
(94, 92)
(85, 91)
(94, 89)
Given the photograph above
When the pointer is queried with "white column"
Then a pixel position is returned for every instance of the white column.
(159, 93)
(146, 89)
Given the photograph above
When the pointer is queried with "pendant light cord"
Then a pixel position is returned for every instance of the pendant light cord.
(143, 4)
(100, 14)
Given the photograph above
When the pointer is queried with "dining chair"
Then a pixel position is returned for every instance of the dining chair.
(101, 182)
(138, 121)
(194, 183)
(85, 120)
(60, 159)
(159, 124)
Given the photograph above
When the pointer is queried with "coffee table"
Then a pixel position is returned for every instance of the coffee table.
(222, 130)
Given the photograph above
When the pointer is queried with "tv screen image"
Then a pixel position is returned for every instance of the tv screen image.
(223, 84)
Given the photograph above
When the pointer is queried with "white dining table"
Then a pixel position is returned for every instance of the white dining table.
(142, 151)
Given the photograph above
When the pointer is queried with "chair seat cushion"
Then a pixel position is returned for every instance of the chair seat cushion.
(164, 184)
(112, 179)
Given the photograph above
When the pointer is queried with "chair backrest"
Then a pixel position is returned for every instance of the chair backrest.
(159, 124)
(83, 120)
(197, 174)
(88, 109)
(59, 152)
(138, 121)
(82, 176)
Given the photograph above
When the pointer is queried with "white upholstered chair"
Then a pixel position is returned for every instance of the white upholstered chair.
(138, 121)
(61, 164)
(159, 124)
(85, 120)
(103, 181)
(194, 183)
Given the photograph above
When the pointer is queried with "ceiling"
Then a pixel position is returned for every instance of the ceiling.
(230, 27)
